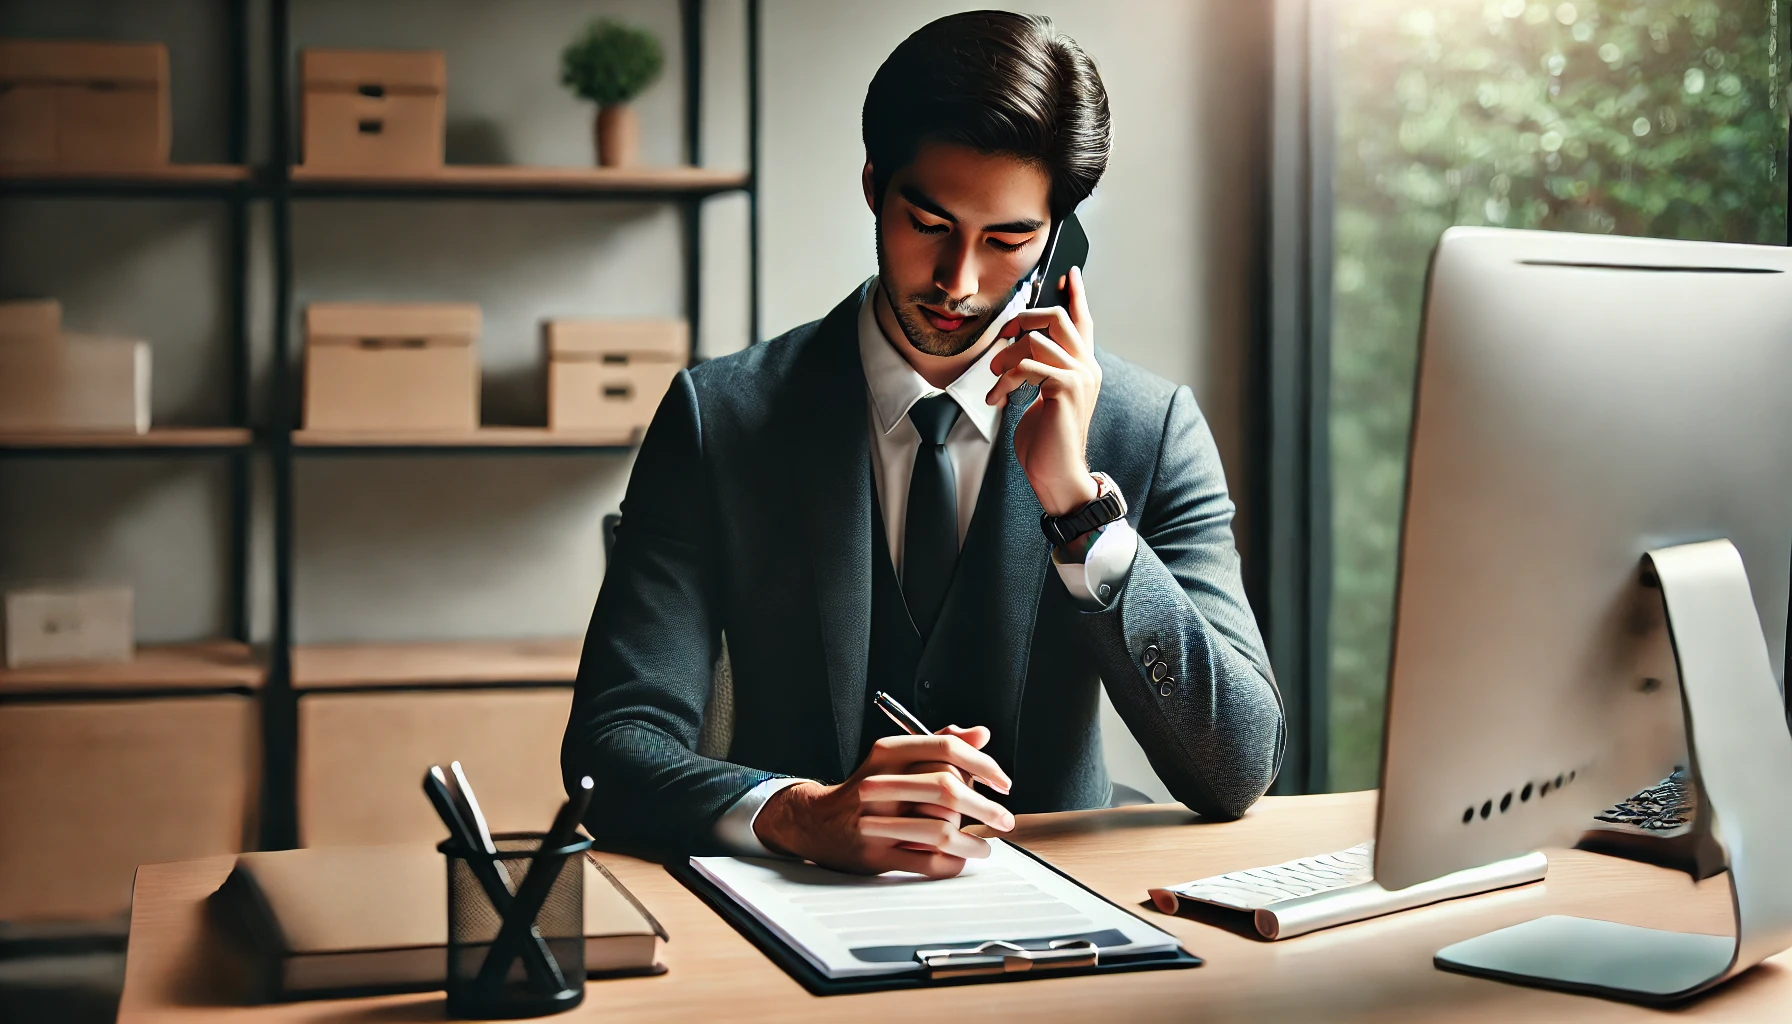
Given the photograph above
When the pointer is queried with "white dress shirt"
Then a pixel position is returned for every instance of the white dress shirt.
(892, 388)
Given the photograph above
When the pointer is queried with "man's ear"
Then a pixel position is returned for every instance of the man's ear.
(870, 196)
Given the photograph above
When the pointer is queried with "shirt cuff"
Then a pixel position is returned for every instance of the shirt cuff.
(734, 829)
(1103, 569)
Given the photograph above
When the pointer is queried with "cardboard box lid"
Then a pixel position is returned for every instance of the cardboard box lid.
(30, 318)
(72, 61)
(344, 323)
(659, 340)
(399, 70)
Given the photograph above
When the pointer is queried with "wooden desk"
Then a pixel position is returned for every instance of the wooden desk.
(1379, 969)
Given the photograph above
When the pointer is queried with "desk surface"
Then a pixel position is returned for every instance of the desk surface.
(1379, 969)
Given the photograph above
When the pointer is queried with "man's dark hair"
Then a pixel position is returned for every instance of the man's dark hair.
(996, 82)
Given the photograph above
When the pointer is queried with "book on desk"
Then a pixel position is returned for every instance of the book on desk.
(372, 918)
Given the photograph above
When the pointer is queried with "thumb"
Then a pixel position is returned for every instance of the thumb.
(977, 736)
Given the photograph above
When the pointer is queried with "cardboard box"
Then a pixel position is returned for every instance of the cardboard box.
(69, 625)
(608, 376)
(360, 756)
(89, 789)
(374, 111)
(391, 367)
(30, 318)
(74, 383)
(84, 104)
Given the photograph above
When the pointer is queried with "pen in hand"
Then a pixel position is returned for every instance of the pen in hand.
(907, 722)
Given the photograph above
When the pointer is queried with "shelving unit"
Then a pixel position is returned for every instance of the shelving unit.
(232, 183)
(485, 438)
(167, 181)
(167, 440)
(278, 672)
(630, 183)
(406, 666)
(209, 667)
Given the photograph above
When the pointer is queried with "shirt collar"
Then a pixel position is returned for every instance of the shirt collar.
(895, 387)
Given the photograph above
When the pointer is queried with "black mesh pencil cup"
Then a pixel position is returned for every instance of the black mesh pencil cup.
(516, 927)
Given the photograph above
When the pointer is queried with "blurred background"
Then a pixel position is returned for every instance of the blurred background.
(317, 613)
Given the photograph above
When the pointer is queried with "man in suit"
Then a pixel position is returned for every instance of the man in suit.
(858, 506)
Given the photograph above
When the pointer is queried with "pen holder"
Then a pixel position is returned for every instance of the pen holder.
(543, 969)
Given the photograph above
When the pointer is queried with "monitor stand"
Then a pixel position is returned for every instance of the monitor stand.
(1741, 757)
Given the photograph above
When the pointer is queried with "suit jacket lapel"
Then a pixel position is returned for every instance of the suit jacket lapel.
(832, 449)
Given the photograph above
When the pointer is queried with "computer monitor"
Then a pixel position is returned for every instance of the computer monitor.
(1581, 400)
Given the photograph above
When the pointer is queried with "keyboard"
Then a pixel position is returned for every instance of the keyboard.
(1300, 896)
(1666, 808)
(1258, 888)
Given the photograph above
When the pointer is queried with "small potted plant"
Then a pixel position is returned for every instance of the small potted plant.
(610, 63)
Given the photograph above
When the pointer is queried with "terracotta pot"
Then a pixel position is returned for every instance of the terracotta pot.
(618, 135)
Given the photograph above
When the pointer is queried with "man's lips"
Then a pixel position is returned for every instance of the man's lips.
(943, 321)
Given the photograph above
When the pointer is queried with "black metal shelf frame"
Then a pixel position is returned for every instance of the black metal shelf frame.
(273, 184)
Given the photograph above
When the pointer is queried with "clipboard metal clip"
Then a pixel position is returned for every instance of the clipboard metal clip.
(1001, 957)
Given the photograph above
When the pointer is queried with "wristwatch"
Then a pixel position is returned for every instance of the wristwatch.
(1108, 506)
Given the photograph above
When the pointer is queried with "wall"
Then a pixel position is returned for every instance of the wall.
(421, 548)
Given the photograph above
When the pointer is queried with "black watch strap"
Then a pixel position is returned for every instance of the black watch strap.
(1109, 506)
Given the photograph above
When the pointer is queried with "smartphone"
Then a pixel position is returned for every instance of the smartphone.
(1067, 247)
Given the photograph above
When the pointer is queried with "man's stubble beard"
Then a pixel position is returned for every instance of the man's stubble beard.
(916, 329)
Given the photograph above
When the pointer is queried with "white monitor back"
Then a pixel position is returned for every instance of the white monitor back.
(1581, 399)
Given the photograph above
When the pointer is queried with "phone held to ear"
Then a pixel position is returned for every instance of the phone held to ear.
(1067, 247)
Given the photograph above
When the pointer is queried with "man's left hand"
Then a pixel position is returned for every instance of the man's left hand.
(1056, 352)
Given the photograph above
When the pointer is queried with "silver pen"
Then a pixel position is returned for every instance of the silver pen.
(904, 719)
(907, 722)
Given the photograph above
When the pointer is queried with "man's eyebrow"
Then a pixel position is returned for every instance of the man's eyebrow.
(1014, 227)
(922, 200)
(916, 197)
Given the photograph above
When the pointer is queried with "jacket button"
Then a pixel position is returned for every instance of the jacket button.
(1166, 688)
(1150, 653)
(1160, 670)
(926, 684)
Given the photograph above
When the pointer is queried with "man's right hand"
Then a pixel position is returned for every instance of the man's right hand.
(899, 812)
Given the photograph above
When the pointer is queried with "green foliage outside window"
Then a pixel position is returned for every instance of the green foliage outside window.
(1640, 117)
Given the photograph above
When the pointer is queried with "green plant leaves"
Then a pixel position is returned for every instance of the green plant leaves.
(610, 62)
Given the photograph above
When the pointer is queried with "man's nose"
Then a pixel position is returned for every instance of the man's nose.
(956, 274)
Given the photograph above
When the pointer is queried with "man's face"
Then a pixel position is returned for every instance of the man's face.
(957, 231)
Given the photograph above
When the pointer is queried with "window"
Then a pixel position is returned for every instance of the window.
(1641, 117)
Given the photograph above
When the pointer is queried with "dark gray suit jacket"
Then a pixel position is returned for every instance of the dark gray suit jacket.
(750, 511)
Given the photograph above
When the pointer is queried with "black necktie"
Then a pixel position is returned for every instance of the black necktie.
(930, 534)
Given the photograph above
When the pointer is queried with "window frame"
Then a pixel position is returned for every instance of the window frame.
(1294, 499)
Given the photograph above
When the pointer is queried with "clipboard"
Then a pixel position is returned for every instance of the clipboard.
(960, 964)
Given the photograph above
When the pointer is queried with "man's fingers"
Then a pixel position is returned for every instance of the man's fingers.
(945, 814)
(907, 750)
(1077, 299)
(933, 865)
(942, 788)
(1036, 345)
(930, 833)
(1054, 321)
(977, 735)
(1005, 385)
(1052, 380)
